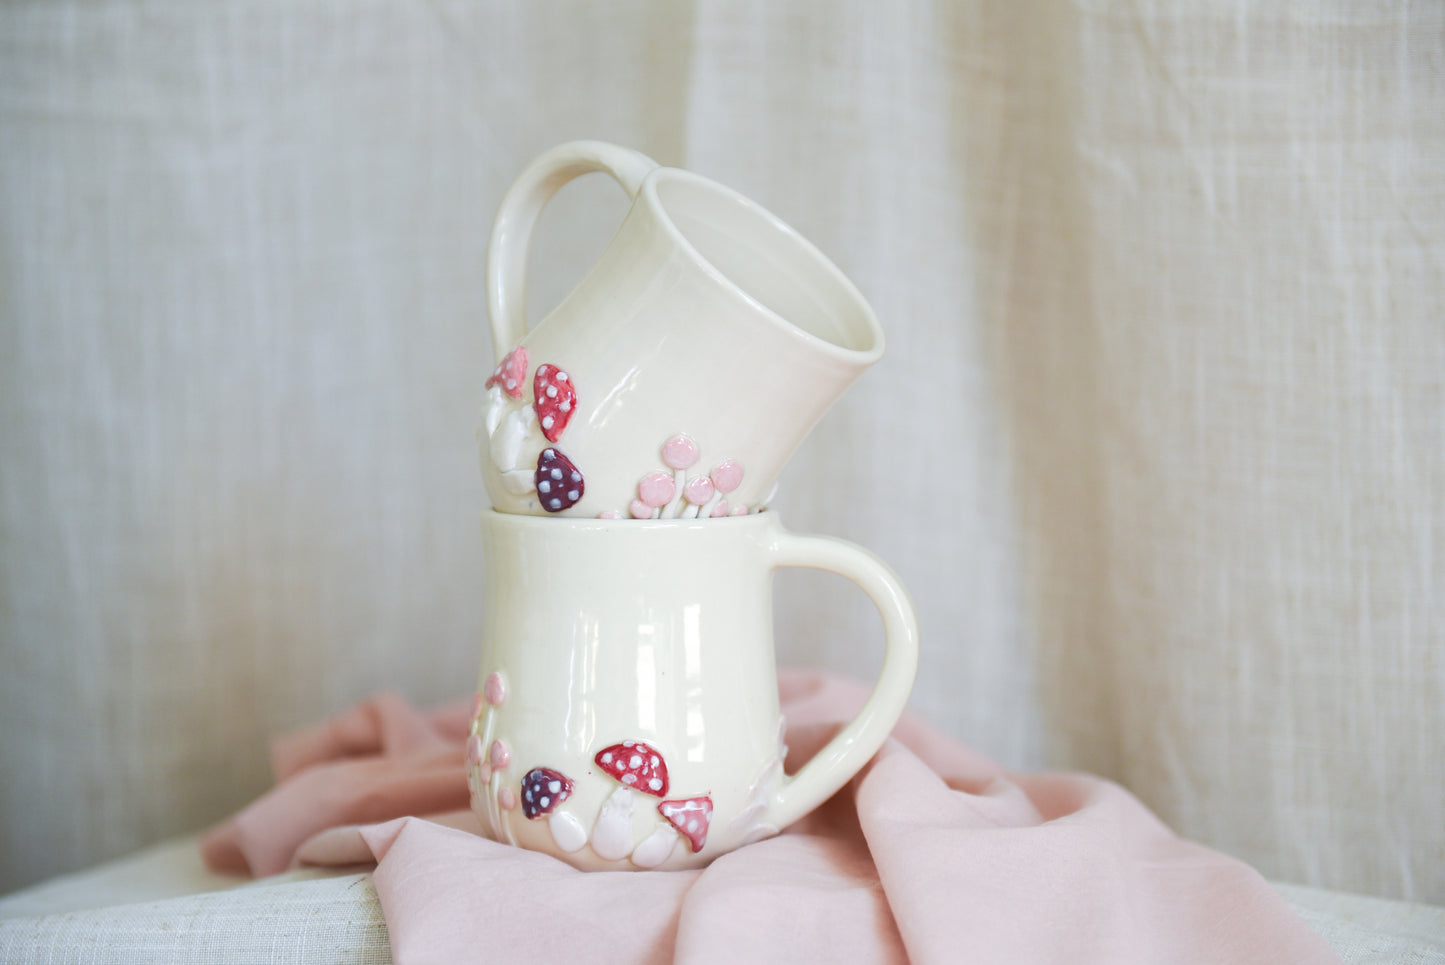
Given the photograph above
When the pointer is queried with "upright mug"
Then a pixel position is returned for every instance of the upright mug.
(682, 371)
(628, 711)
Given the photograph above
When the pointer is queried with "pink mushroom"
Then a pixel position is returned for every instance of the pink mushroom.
(555, 398)
(510, 373)
(494, 690)
(698, 492)
(679, 453)
(691, 816)
(725, 476)
(653, 492)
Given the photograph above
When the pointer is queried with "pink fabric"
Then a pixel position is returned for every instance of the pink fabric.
(932, 854)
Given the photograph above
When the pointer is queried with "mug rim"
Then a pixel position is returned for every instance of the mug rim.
(835, 275)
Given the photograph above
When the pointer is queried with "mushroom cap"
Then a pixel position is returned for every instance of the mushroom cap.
(554, 397)
(510, 373)
(698, 490)
(559, 483)
(680, 452)
(691, 816)
(494, 690)
(656, 488)
(727, 475)
(635, 764)
(543, 789)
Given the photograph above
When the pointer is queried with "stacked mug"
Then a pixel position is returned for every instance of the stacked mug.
(628, 712)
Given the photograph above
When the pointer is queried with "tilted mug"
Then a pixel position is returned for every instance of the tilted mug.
(682, 371)
(628, 711)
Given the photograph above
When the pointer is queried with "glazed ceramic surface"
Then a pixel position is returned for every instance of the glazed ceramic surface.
(697, 352)
(628, 713)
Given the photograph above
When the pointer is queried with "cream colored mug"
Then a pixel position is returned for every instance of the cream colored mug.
(682, 371)
(628, 711)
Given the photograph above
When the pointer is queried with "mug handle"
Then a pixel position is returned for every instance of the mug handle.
(856, 743)
(517, 216)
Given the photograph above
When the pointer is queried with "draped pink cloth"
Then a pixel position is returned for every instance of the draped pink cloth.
(932, 854)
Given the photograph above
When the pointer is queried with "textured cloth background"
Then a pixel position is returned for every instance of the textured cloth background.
(1158, 444)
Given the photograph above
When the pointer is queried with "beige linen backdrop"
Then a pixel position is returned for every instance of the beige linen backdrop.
(1158, 443)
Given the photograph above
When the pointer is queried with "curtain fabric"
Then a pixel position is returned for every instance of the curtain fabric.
(1158, 443)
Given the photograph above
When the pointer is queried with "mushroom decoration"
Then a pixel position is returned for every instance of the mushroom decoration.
(656, 847)
(691, 816)
(679, 453)
(698, 492)
(559, 482)
(542, 790)
(677, 495)
(653, 492)
(510, 373)
(726, 476)
(554, 397)
(507, 425)
(635, 765)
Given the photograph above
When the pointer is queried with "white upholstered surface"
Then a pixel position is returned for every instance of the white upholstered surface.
(162, 905)
(1158, 444)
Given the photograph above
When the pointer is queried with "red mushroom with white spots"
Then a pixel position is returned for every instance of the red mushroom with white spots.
(554, 397)
(637, 766)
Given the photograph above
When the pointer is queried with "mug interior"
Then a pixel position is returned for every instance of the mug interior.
(770, 262)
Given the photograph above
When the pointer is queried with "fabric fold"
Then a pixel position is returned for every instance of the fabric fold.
(933, 853)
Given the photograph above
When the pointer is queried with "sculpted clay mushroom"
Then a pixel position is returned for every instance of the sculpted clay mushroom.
(542, 790)
(653, 492)
(559, 483)
(636, 766)
(554, 397)
(726, 476)
(691, 816)
(678, 454)
(510, 373)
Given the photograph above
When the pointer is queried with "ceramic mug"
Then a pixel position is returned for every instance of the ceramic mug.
(685, 367)
(628, 713)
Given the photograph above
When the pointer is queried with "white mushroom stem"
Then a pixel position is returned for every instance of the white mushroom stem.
(706, 510)
(612, 834)
(656, 847)
(495, 408)
(518, 482)
(674, 507)
(501, 828)
(508, 438)
(567, 831)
